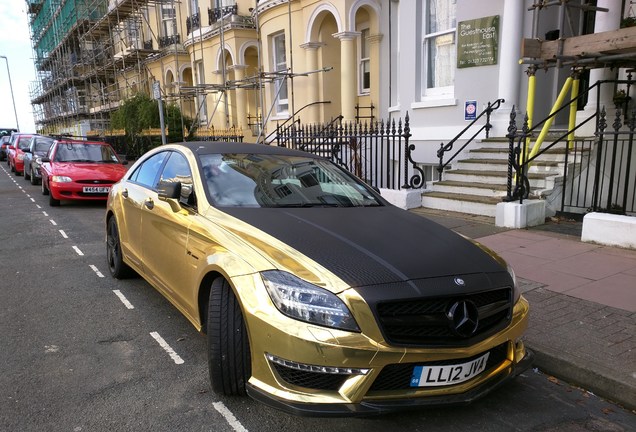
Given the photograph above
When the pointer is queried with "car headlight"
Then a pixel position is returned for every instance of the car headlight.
(61, 179)
(303, 301)
(516, 293)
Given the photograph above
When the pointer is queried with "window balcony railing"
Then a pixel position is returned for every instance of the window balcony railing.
(193, 22)
(166, 41)
(215, 14)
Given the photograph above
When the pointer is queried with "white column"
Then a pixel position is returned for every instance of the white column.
(605, 21)
(241, 100)
(509, 69)
(348, 73)
(313, 93)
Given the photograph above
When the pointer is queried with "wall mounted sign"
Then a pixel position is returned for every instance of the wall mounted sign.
(470, 110)
(478, 42)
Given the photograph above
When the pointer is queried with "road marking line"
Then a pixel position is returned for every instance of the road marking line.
(32, 200)
(173, 355)
(229, 417)
(123, 299)
(28, 196)
(97, 272)
(79, 252)
(38, 206)
(63, 234)
(53, 222)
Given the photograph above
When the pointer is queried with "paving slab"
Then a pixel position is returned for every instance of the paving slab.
(582, 297)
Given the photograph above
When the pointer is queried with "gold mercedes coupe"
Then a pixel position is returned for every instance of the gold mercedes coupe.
(317, 296)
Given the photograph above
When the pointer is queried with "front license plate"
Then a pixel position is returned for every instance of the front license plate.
(431, 376)
(96, 189)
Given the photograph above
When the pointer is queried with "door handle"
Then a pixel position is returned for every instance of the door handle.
(149, 203)
(124, 193)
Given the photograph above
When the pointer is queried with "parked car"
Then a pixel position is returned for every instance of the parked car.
(79, 170)
(19, 142)
(4, 147)
(38, 148)
(318, 297)
(5, 137)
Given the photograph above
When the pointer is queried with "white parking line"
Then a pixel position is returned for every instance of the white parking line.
(38, 206)
(32, 200)
(79, 252)
(173, 355)
(97, 272)
(229, 417)
(123, 299)
(63, 234)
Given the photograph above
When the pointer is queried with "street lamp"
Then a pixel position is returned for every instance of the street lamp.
(17, 126)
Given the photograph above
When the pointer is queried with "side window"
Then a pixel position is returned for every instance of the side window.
(177, 169)
(146, 173)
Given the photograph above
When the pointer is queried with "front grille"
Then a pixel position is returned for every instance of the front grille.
(93, 195)
(96, 182)
(311, 380)
(424, 322)
(398, 376)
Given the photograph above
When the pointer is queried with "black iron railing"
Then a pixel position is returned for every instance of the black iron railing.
(215, 14)
(166, 41)
(598, 173)
(193, 22)
(472, 126)
(374, 152)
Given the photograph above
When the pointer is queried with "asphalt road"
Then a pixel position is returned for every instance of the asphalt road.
(84, 352)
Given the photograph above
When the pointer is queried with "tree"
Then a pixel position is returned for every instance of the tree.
(141, 112)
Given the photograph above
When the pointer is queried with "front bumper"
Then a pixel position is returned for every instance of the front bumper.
(75, 191)
(385, 406)
(381, 377)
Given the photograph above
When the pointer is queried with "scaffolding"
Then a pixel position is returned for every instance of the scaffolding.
(91, 55)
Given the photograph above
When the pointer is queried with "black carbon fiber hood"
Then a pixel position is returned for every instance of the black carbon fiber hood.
(367, 246)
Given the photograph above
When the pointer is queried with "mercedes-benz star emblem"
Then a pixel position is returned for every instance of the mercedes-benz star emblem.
(464, 318)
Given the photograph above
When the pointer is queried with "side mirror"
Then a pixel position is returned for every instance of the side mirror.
(170, 192)
(45, 159)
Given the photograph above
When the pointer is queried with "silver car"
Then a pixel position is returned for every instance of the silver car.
(38, 148)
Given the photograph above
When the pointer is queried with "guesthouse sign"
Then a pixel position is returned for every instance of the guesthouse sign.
(478, 42)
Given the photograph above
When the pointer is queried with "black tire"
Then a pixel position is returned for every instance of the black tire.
(45, 191)
(27, 177)
(116, 265)
(53, 202)
(229, 357)
(33, 178)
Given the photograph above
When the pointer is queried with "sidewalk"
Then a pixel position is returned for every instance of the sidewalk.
(582, 300)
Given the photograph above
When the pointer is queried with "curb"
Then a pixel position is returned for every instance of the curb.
(602, 384)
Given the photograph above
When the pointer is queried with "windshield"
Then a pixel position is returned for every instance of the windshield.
(42, 145)
(24, 141)
(78, 152)
(262, 180)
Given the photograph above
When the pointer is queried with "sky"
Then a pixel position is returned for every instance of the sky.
(15, 44)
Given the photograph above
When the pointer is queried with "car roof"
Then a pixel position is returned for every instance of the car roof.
(213, 147)
(76, 141)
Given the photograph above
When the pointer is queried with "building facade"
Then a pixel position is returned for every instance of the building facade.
(253, 65)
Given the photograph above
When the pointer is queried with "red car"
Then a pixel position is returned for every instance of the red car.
(19, 142)
(80, 170)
